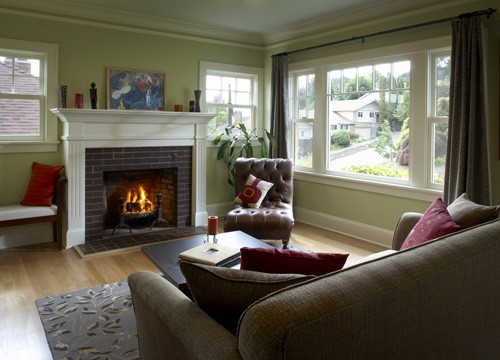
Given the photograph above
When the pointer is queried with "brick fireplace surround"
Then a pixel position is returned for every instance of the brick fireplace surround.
(90, 134)
(100, 160)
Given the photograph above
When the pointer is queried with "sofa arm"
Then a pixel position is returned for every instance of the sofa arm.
(169, 325)
(405, 223)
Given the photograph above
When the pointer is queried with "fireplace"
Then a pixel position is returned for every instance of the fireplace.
(112, 172)
(140, 199)
(98, 143)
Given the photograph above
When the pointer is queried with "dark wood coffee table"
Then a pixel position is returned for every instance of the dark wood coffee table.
(166, 255)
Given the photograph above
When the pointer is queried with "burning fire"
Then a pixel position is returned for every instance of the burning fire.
(138, 202)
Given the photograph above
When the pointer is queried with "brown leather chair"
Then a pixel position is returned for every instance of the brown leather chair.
(273, 220)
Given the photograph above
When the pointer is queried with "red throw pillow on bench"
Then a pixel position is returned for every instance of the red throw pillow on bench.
(271, 260)
(41, 186)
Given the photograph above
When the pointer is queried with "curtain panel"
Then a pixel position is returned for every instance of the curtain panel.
(467, 165)
(279, 105)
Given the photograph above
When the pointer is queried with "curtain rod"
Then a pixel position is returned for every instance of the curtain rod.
(487, 12)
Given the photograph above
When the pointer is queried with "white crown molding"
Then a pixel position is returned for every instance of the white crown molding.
(351, 20)
(76, 13)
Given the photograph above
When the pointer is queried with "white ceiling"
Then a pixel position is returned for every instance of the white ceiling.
(256, 22)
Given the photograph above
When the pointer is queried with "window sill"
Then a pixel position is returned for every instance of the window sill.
(12, 147)
(402, 191)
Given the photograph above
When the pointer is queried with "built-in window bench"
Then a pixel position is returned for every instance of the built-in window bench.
(18, 215)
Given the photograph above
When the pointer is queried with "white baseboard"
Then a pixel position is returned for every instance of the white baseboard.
(29, 234)
(362, 231)
(351, 228)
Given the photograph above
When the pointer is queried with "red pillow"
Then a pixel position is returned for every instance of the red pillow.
(271, 260)
(436, 222)
(40, 189)
(253, 192)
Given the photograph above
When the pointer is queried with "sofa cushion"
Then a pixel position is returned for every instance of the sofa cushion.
(253, 192)
(271, 260)
(435, 222)
(40, 191)
(467, 213)
(225, 293)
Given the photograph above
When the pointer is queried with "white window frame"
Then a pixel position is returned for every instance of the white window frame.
(48, 53)
(419, 186)
(257, 75)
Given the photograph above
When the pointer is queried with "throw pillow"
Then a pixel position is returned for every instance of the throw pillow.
(253, 192)
(271, 260)
(225, 293)
(467, 213)
(40, 189)
(435, 222)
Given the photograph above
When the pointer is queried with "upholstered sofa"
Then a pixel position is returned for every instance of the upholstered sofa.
(438, 300)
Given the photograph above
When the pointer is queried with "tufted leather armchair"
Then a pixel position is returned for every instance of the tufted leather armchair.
(274, 218)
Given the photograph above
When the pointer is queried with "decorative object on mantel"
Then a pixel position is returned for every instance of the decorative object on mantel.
(240, 144)
(93, 96)
(178, 108)
(192, 106)
(62, 96)
(197, 95)
(78, 101)
(135, 89)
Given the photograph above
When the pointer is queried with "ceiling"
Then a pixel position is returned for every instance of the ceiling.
(254, 22)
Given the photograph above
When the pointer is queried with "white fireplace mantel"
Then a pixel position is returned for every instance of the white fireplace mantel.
(92, 128)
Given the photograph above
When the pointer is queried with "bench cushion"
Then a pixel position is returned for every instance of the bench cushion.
(13, 212)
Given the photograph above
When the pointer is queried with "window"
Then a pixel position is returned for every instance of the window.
(304, 108)
(233, 92)
(405, 94)
(28, 78)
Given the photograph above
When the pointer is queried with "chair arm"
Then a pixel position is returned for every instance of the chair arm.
(405, 223)
(169, 324)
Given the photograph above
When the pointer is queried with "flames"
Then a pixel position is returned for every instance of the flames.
(137, 201)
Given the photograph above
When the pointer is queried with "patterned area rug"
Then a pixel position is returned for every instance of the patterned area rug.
(96, 323)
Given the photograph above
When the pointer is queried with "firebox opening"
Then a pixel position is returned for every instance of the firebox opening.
(140, 199)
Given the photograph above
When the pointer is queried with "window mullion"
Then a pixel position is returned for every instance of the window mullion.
(320, 128)
(419, 142)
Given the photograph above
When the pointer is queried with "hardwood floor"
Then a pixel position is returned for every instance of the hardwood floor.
(27, 275)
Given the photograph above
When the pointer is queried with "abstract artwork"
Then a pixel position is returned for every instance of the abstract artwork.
(135, 89)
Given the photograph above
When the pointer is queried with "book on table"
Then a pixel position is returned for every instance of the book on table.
(211, 254)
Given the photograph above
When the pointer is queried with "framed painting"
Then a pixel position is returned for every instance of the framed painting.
(129, 89)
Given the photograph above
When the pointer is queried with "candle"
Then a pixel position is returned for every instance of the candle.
(212, 225)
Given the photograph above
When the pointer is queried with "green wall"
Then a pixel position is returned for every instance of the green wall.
(86, 51)
(84, 54)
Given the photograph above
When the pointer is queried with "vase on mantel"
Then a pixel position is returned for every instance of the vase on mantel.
(197, 95)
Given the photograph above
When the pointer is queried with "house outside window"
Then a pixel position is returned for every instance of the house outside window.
(403, 140)
(232, 92)
(28, 81)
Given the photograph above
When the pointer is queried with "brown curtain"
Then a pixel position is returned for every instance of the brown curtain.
(279, 105)
(467, 167)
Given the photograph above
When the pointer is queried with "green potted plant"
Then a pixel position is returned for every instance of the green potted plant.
(241, 144)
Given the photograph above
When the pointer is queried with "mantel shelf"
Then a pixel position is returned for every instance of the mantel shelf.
(131, 116)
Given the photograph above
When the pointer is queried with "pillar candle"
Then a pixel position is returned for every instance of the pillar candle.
(212, 225)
